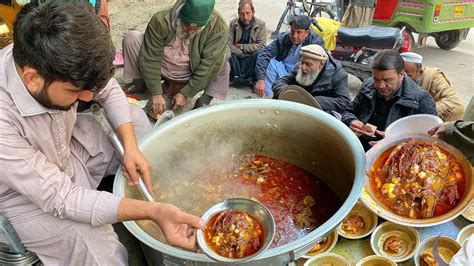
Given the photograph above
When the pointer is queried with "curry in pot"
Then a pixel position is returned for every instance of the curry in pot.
(417, 179)
(298, 200)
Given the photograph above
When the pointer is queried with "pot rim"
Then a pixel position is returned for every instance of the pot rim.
(291, 249)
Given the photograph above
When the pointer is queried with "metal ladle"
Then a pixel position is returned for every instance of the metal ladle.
(115, 141)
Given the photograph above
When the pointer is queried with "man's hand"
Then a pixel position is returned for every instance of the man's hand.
(133, 162)
(260, 88)
(179, 100)
(438, 131)
(178, 227)
(378, 133)
(238, 45)
(358, 128)
(158, 104)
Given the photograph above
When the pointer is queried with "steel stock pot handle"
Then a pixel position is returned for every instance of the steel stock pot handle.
(11, 236)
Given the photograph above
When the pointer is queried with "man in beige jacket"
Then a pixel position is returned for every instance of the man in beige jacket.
(448, 103)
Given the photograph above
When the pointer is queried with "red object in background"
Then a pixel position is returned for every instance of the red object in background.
(385, 11)
(407, 44)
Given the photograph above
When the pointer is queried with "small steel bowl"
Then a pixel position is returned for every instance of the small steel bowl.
(327, 259)
(370, 220)
(325, 247)
(465, 233)
(376, 260)
(469, 213)
(447, 247)
(257, 210)
(408, 236)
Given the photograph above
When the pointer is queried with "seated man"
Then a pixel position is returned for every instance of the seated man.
(386, 97)
(186, 46)
(53, 158)
(433, 80)
(281, 56)
(320, 75)
(247, 36)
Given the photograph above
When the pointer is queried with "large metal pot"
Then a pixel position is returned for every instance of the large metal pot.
(295, 133)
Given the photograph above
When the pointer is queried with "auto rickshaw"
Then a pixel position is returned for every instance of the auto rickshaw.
(447, 21)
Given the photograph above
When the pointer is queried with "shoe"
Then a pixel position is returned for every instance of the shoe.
(203, 101)
(136, 87)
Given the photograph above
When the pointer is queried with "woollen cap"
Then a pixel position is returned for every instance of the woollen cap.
(196, 12)
(314, 51)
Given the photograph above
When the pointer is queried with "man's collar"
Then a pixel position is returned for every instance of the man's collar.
(26, 104)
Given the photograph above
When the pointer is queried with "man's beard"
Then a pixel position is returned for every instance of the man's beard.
(418, 80)
(306, 79)
(181, 33)
(42, 98)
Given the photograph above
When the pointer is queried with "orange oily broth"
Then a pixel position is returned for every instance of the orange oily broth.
(285, 189)
(457, 173)
(234, 234)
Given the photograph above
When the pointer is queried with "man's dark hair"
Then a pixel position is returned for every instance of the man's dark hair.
(388, 59)
(301, 22)
(242, 3)
(64, 42)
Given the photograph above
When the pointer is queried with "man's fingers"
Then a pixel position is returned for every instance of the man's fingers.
(147, 180)
(132, 172)
(192, 220)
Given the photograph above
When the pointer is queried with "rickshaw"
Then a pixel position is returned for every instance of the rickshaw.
(448, 21)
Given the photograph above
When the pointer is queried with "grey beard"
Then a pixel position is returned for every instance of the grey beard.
(418, 80)
(181, 33)
(306, 79)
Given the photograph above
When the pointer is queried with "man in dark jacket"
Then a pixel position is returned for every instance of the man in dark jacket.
(247, 36)
(281, 56)
(320, 75)
(388, 96)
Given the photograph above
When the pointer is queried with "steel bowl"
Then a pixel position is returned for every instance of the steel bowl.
(465, 233)
(327, 259)
(368, 198)
(370, 222)
(409, 241)
(376, 260)
(331, 240)
(257, 210)
(447, 248)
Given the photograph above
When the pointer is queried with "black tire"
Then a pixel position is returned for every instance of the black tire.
(448, 40)
(322, 11)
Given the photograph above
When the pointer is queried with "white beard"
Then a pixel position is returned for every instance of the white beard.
(306, 79)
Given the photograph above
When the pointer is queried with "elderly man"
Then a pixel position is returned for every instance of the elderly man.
(320, 75)
(388, 96)
(281, 56)
(185, 46)
(433, 80)
(247, 36)
(53, 158)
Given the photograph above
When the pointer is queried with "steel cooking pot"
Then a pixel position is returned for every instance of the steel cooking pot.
(292, 132)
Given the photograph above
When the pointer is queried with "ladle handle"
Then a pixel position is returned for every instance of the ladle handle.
(115, 141)
(119, 150)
